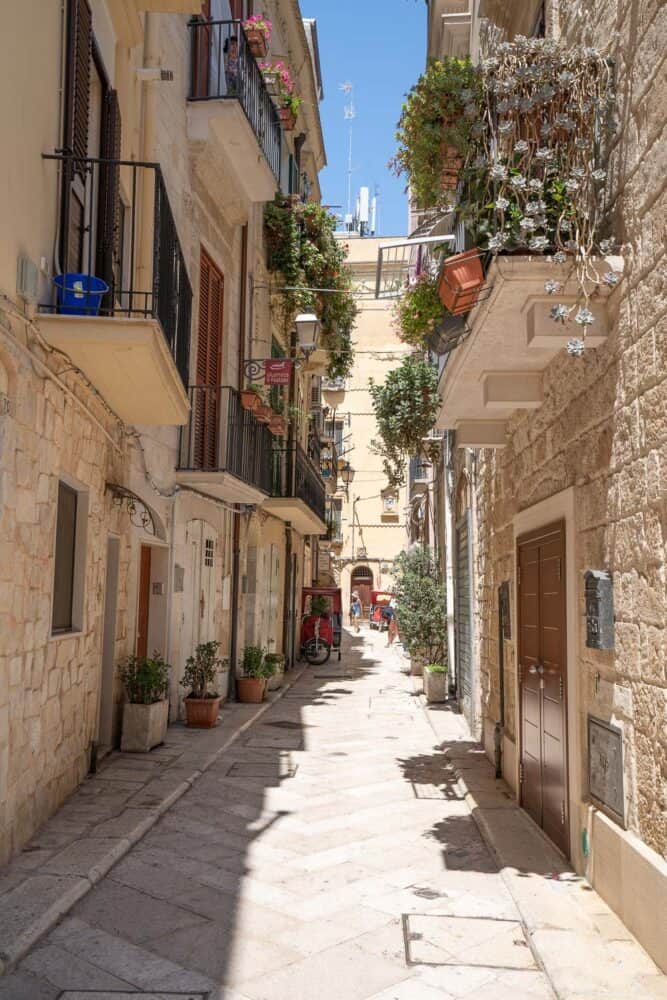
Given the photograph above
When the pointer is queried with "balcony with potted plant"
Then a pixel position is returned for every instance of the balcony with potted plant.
(231, 114)
(225, 448)
(122, 316)
(531, 199)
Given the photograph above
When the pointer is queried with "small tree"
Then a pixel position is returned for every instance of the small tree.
(422, 604)
(201, 670)
(145, 679)
(406, 406)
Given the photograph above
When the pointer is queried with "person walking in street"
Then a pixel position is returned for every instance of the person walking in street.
(392, 627)
(355, 610)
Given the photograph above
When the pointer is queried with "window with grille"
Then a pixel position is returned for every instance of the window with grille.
(208, 551)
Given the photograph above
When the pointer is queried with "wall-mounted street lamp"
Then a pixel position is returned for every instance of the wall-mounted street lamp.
(308, 332)
(347, 474)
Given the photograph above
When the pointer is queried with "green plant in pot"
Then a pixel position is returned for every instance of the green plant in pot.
(419, 311)
(422, 607)
(277, 662)
(146, 709)
(253, 675)
(435, 682)
(319, 605)
(201, 676)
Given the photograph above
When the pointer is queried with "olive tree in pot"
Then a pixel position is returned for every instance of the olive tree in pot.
(200, 675)
(146, 709)
(422, 608)
(277, 662)
(254, 672)
(435, 682)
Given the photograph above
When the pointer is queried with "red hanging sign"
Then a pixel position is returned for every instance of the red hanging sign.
(277, 371)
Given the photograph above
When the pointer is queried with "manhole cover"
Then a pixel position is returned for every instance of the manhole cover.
(433, 939)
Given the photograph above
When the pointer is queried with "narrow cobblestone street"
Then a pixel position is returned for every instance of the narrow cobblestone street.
(331, 854)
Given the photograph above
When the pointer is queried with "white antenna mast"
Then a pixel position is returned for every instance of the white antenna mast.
(349, 113)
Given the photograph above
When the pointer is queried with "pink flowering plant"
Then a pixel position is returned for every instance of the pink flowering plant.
(257, 22)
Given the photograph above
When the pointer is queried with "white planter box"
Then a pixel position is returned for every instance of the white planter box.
(435, 686)
(276, 681)
(144, 726)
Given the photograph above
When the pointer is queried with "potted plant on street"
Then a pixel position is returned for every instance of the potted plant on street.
(277, 663)
(254, 672)
(257, 29)
(435, 682)
(146, 710)
(422, 603)
(200, 675)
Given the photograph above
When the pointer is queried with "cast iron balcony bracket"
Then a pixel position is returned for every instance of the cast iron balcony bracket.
(215, 76)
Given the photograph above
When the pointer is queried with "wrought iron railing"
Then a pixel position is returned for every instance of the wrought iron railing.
(221, 436)
(132, 245)
(418, 471)
(223, 68)
(308, 484)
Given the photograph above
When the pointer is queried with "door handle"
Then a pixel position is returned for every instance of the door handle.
(539, 669)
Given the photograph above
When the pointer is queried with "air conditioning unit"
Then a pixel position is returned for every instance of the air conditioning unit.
(26, 279)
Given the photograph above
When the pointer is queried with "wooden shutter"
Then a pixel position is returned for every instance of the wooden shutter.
(79, 53)
(110, 220)
(206, 402)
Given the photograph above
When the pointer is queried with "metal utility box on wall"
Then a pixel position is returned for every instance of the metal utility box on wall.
(599, 609)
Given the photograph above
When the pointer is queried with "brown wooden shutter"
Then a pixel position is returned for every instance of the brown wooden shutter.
(108, 264)
(206, 402)
(79, 53)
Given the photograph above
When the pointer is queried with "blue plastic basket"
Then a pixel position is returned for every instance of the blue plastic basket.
(79, 294)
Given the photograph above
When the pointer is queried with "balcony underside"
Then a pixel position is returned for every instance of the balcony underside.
(297, 512)
(126, 15)
(497, 368)
(127, 360)
(222, 485)
(222, 128)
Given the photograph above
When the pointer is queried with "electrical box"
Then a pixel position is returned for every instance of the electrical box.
(599, 609)
(26, 279)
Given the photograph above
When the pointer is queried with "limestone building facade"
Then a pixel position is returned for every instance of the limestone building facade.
(135, 491)
(554, 489)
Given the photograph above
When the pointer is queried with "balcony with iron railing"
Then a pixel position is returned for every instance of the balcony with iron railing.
(224, 450)
(231, 109)
(418, 475)
(122, 301)
(298, 491)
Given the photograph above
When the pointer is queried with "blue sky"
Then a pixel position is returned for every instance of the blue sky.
(379, 46)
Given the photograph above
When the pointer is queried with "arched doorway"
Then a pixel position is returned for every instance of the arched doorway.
(362, 582)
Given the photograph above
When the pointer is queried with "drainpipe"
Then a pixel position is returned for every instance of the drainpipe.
(145, 276)
(234, 637)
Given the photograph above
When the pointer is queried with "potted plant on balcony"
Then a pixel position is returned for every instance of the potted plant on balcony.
(257, 30)
(253, 675)
(201, 672)
(251, 397)
(146, 710)
(277, 77)
(289, 110)
(277, 663)
(419, 310)
(434, 130)
(461, 281)
(435, 682)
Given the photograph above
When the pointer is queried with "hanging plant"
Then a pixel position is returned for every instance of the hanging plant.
(419, 310)
(406, 406)
(535, 174)
(435, 128)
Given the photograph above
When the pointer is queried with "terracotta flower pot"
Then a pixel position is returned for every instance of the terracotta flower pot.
(249, 399)
(287, 118)
(251, 690)
(202, 713)
(461, 280)
(256, 42)
(263, 413)
(277, 425)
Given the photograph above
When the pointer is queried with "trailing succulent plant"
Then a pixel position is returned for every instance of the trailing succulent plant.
(305, 255)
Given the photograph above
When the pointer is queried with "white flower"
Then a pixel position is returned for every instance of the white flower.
(498, 172)
(527, 223)
(610, 279)
(502, 203)
(599, 175)
(575, 347)
(551, 287)
(564, 121)
(539, 243)
(565, 78)
(505, 126)
(544, 153)
(571, 185)
(577, 172)
(496, 242)
(546, 130)
(535, 184)
(559, 313)
(584, 317)
(503, 106)
(560, 257)
(606, 246)
(565, 225)
(521, 146)
(518, 181)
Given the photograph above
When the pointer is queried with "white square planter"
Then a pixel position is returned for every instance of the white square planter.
(435, 686)
(144, 726)
(275, 681)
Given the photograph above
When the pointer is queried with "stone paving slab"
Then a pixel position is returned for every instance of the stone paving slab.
(98, 825)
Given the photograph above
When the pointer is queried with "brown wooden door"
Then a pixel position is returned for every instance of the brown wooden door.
(206, 401)
(542, 680)
(144, 600)
(362, 582)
